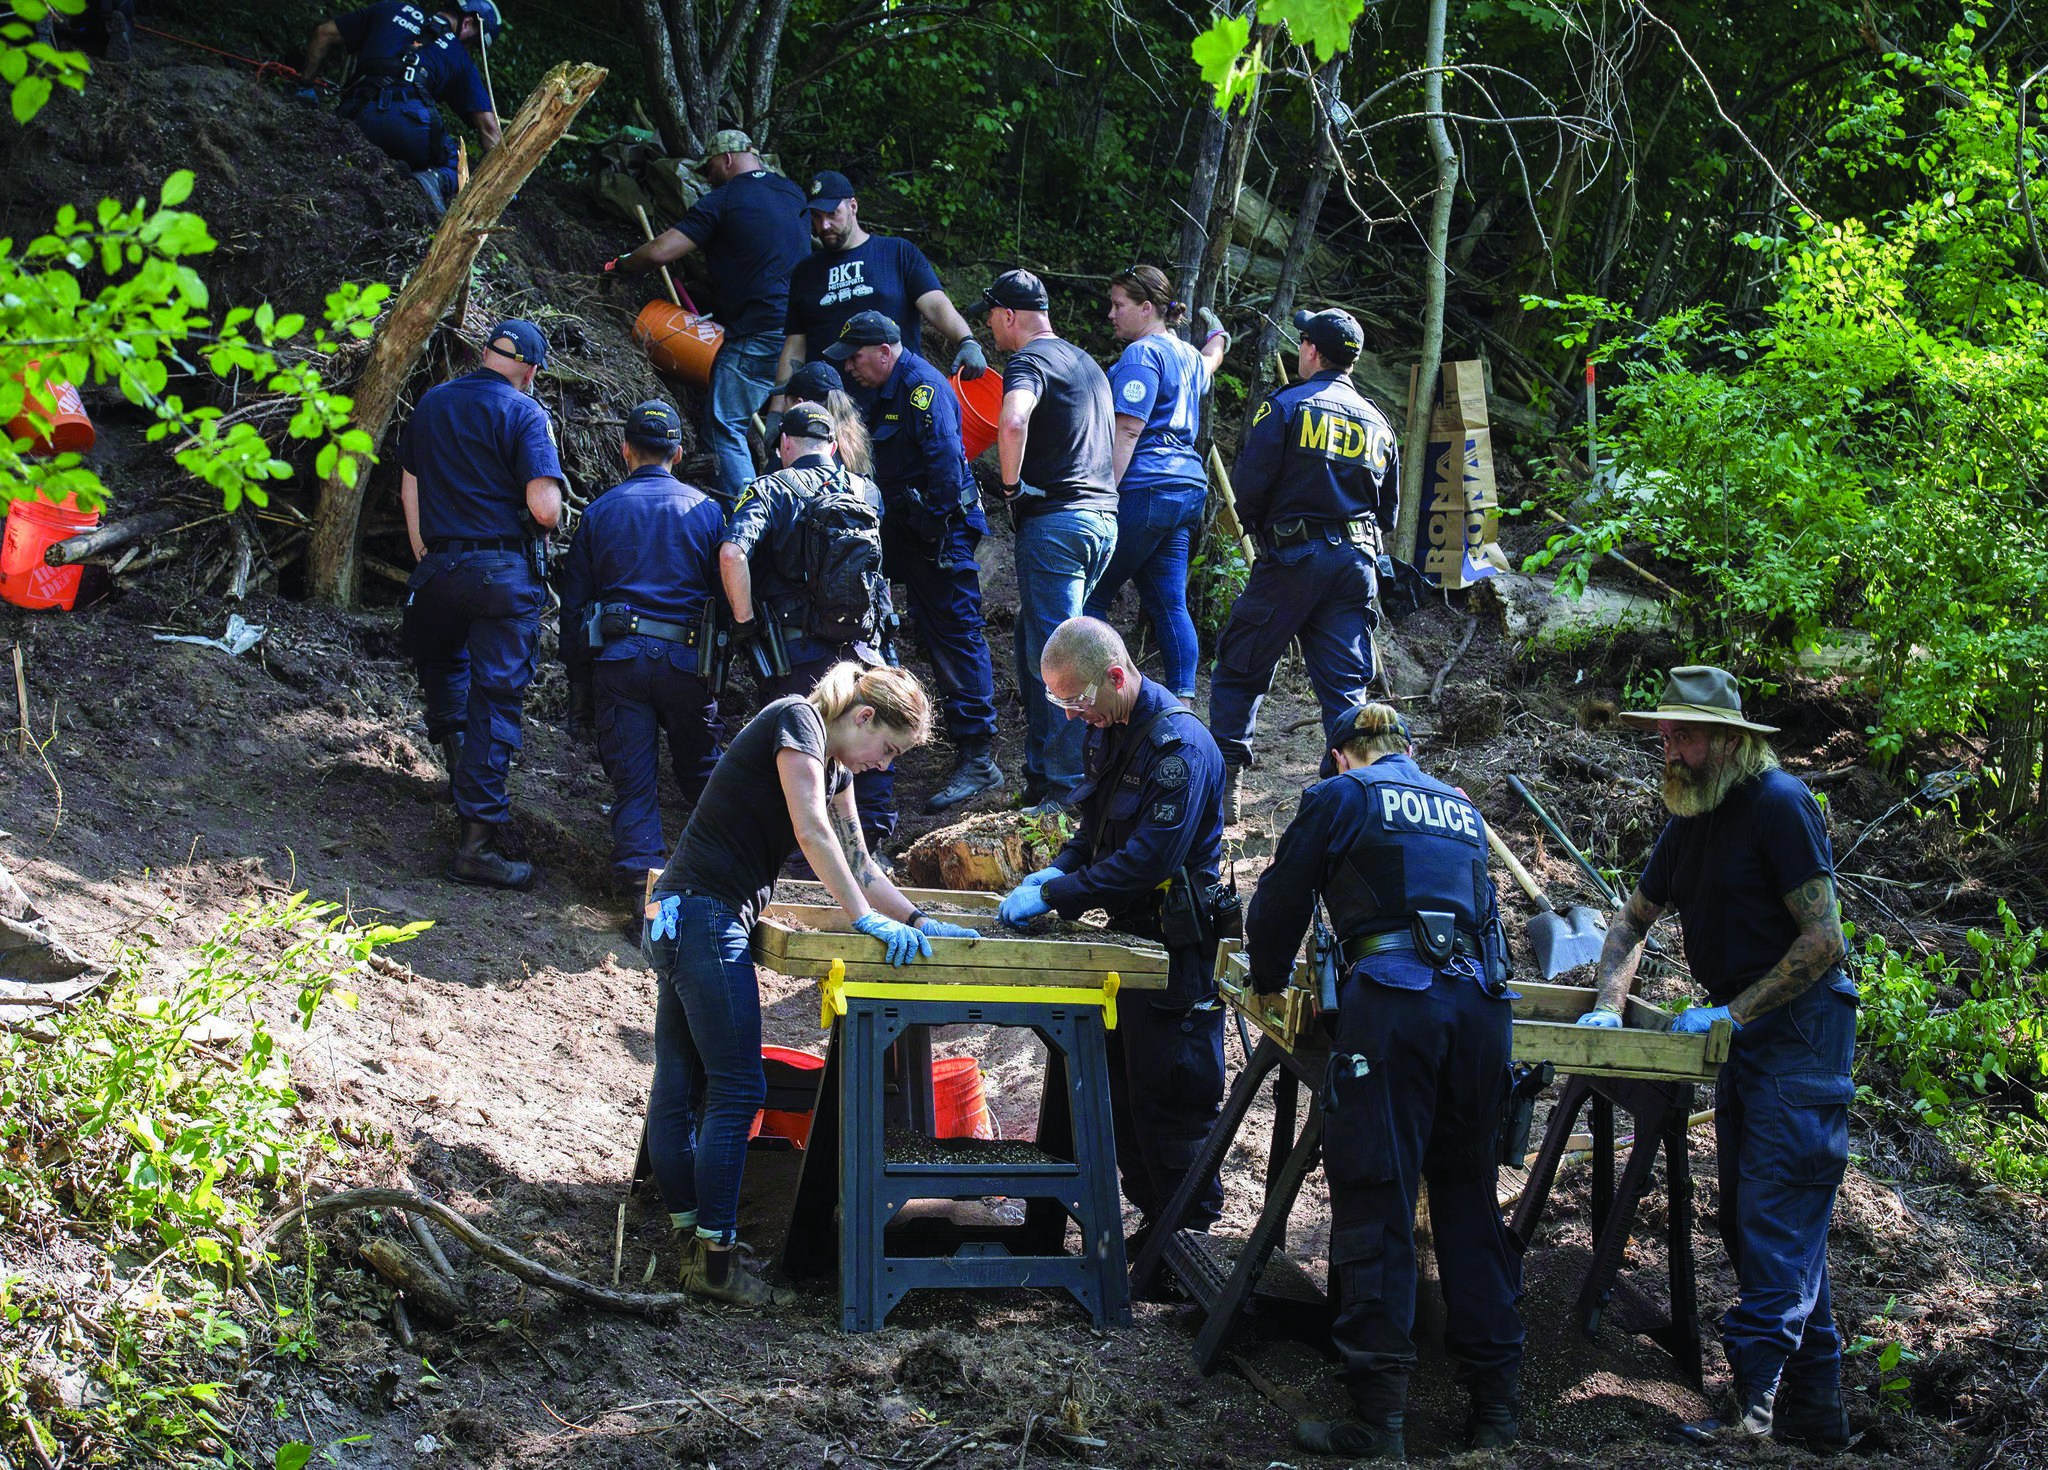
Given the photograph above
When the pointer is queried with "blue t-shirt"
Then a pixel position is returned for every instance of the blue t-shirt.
(753, 230)
(883, 273)
(1161, 379)
(1727, 873)
(473, 443)
(439, 64)
(650, 542)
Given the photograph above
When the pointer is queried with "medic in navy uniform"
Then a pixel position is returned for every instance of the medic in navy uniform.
(1418, 1073)
(1317, 483)
(1150, 820)
(636, 582)
(482, 489)
(409, 60)
(932, 522)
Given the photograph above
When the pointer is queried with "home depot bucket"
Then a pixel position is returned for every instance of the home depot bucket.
(678, 341)
(981, 399)
(33, 526)
(792, 1080)
(958, 1108)
(71, 431)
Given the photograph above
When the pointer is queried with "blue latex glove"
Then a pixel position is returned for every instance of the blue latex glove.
(1601, 1018)
(970, 361)
(901, 943)
(940, 929)
(1025, 903)
(308, 94)
(663, 924)
(1043, 875)
(1696, 1021)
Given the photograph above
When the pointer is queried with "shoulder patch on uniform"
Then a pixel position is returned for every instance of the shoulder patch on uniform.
(1172, 772)
(921, 396)
(1265, 412)
(1168, 812)
(1134, 391)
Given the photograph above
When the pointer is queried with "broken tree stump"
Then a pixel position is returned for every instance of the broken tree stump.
(105, 538)
(331, 565)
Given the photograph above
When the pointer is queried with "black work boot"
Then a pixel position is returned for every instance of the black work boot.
(1233, 795)
(451, 758)
(1362, 1437)
(1494, 1424)
(1747, 1420)
(974, 771)
(1809, 1413)
(479, 863)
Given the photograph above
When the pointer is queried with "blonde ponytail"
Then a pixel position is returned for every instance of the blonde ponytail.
(896, 697)
(1379, 730)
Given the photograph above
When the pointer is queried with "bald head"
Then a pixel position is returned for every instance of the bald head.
(1086, 648)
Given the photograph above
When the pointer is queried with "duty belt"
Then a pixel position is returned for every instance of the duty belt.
(1301, 531)
(1399, 941)
(639, 625)
(465, 543)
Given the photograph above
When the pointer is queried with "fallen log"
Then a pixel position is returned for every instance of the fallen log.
(417, 1280)
(73, 549)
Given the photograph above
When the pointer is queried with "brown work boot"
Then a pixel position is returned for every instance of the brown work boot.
(740, 1288)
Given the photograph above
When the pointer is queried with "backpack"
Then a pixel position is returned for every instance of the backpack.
(842, 564)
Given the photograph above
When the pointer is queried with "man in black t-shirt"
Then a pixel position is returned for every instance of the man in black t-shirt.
(1053, 440)
(1746, 862)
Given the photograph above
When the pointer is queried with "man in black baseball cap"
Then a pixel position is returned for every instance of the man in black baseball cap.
(1017, 290)
(1337, 336)
(863, 329)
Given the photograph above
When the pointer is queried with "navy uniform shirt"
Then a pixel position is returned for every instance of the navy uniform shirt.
(1166, 811)
(914, 421)
(883, 273)
(473, 443)
(649, 543)
(441, 68)
(769, 515)
(1318, 449)
(752, 230)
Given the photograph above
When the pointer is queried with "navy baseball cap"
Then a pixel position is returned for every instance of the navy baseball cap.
(1336, 334)
(1344, 729)
(827, 191)
(807, 421)
(812, 382)
(655, 421)
(1014, 290)
(520, 341)
(863, 329)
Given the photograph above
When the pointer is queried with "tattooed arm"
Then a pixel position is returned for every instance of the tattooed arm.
(1623, 951)
(817, 822)
(881, 894)
(1817, 949)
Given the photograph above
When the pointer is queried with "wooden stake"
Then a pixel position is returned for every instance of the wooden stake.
(619, 1244)
(666, 279)
(1228, 512)
(21, 697)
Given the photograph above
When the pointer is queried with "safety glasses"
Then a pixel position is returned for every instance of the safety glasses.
(1077, 704)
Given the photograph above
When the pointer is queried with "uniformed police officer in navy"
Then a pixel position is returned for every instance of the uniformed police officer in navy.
(639, 575)
(932, 521)
(409, 60)
(1147, 855)
(482, 484)
(1317, 484)
(1417, 1077)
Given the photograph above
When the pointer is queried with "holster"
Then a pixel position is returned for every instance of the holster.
(1435, 935)
(1518, 1114)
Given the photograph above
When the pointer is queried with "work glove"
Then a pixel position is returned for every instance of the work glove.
(615, 266)
(901, 943)
(1025, 903)
(1043, 875)
(940, 929)
(970, 361)
(1020, 491)
(1698, 1020)
(1610, 1019)
(771, 428)
(1211, 326)
(662, 924)
(739, 635)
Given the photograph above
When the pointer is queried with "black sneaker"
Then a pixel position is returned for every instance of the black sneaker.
(1352, 1439)
(974, 773)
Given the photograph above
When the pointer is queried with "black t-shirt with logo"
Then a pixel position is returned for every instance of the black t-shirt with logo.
(883, 273)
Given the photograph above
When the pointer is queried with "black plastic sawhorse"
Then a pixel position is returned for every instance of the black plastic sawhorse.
(1662, 1113)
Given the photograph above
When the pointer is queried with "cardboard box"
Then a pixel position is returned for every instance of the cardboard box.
(1459, 544)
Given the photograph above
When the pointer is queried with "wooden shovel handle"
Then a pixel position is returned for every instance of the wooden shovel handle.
(1514, 865)
(666, 279)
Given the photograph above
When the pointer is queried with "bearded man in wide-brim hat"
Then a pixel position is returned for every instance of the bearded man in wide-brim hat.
(1745, 860)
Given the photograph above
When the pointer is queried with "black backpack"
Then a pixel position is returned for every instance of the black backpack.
(842, 564)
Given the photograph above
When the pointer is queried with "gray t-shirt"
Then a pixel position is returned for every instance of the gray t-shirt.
(741, 834)
(1066, 451)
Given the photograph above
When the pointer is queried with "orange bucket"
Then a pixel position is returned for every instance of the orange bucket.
(71, 431)
(33, 526)
(786, 1068)
(679, 342)
(981, 399)
(958, 1107)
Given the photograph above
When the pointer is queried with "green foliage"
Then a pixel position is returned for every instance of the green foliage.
(1893, 1387)
(34, 69)
(1221, 55)
(1215, 577)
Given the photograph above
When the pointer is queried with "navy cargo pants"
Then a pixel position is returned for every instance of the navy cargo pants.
(407, 127)
(1166, 1080)
(1417, 1081)
(1781, 1127)
(646, 688)
(874, 792)
(944, 586)
(1321, 593)
(472, 625)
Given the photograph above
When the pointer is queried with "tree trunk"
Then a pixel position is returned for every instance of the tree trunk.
(671, 111)
(1187, 256)
(1237, 151)
(545, 116)
(1413, 470)
(764, 51)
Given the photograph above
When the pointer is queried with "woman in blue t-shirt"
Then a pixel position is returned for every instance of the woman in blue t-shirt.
(1161, 489)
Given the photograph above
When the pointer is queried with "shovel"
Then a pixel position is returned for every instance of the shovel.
(1561, 941)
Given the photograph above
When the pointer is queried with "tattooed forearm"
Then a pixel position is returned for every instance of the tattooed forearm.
(855, 848)
(1623, 950)
(1816, 951)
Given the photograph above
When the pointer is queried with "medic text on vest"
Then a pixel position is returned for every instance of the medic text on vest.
(1404, 809)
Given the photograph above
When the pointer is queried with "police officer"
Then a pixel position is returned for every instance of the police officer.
(1146, 854)
(1417, 1077)
(409, 61)
(1317, 484)
(481, 490)
(932, 522)
(819, 382)
(761, 565)
(635, 585)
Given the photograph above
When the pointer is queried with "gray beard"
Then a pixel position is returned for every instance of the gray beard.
(1690, 793)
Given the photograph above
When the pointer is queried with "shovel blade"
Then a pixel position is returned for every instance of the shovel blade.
(1565, 941)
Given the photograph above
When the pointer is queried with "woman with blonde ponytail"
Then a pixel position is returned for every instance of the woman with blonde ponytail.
(786, 783)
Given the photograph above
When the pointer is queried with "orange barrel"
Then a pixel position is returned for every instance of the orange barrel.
(71, 431)
(981, 399)
(958, 1108)
(679, 342)
(33, 526)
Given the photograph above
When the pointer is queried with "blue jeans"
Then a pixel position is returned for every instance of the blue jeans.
(1155, 526)
(741, 378)
(707, 1038)
(1061, 555)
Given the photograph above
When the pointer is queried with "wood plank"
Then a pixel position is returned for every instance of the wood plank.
(830, 918)
(1614, 1051)
(990, 953)
(967, 900)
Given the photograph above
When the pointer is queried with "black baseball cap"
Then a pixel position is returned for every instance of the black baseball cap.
(863, 329)
(1016, 291)
(1344, 729)
(827, 191)
(812, 382)
(655, 422)
(807, 421)
(520, 341)
(1336, 334)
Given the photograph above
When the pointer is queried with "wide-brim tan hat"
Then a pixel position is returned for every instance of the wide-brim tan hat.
(1698, 694)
